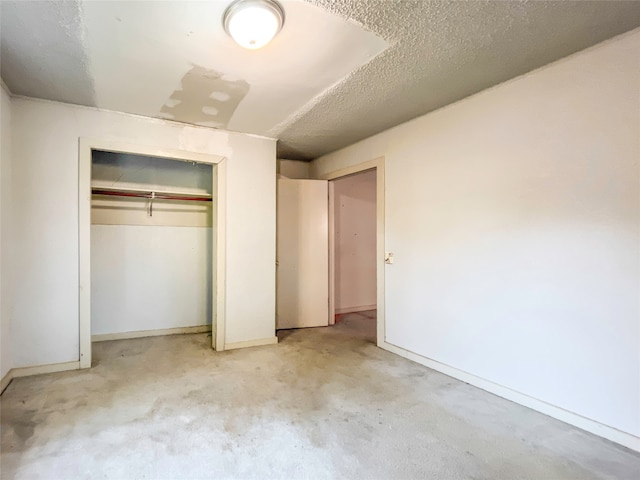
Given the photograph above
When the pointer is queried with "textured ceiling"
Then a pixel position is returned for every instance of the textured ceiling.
(340, 71)
(441, 52)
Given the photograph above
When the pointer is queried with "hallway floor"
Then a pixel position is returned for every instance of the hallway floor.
(324, 403)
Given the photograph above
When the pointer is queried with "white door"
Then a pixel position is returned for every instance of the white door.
(303, 254)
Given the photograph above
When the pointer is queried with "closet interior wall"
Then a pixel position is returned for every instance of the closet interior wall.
(151, 259)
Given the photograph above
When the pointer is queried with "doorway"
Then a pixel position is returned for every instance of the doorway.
(352, 206)
(376, 167)
(213, 241)
(306, 275)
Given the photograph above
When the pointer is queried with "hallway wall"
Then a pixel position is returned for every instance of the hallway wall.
(355, 242)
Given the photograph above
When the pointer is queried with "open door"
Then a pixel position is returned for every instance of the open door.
(302, 254)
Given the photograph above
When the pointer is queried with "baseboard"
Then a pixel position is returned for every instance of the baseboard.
(623, 438)
(40, 369)
(36, 370)
(6, 380)
(361, 308)
(105, 337)
(251, 343)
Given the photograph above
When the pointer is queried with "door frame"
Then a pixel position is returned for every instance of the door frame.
(85, 149)
(376, 164)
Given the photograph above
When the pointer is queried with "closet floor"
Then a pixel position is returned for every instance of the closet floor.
(323, 403)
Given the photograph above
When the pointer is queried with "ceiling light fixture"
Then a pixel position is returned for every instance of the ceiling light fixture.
(253, 23)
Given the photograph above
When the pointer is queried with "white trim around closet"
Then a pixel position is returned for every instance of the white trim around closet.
(86, 146)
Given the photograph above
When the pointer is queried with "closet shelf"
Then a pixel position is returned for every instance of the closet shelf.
(151, 194)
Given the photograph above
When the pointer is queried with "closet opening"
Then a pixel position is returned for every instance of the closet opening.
(151, 244)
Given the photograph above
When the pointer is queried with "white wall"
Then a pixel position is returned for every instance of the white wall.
(293, 168)
(514, 217)
(149, 277)
(354, 209)
(5, 219)
(45, 195)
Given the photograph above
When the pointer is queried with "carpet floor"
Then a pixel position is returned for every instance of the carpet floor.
(323, 403)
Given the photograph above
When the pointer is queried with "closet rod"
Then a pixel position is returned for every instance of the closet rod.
(150, 195)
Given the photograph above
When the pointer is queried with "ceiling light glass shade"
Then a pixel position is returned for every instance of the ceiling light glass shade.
(253, 23)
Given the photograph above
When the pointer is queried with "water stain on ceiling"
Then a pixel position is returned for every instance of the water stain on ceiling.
(338, 72)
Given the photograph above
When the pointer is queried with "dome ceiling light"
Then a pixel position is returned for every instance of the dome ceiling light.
(253, 23)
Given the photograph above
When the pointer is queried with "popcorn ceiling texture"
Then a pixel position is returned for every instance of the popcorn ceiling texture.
(60, 73)
(441, 52)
